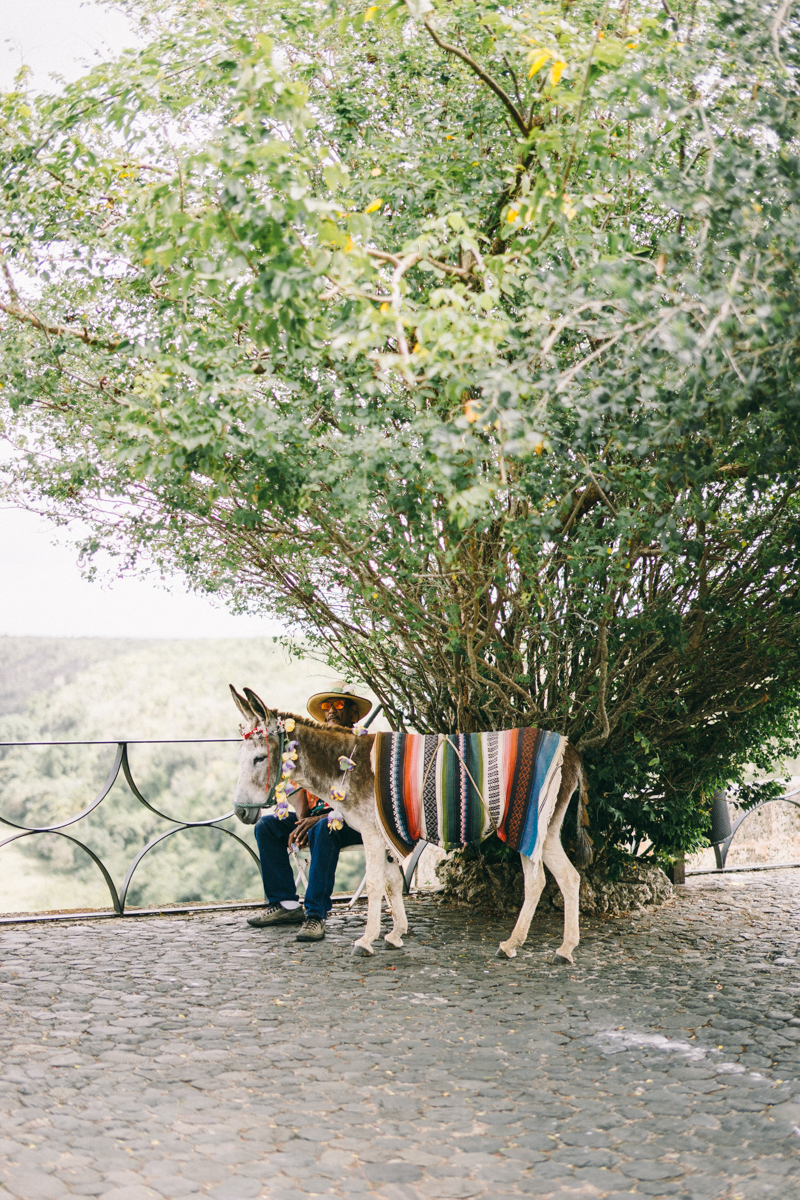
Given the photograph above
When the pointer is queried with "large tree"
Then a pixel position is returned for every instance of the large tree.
(464, 338)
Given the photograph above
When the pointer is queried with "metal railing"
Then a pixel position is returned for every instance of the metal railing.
(723, 833)
(122, 763)
(119, 895)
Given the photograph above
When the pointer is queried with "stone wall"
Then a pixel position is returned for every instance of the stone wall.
(771, 835)
(497, 886)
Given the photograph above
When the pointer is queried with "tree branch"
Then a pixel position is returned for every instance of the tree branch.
(775, 29)
(83, 335)
(502, 95)
(597, 738)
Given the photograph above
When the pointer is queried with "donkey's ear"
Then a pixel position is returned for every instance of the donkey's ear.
(257, 704)
(243, 707)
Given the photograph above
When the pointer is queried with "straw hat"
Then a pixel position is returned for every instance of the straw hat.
(337, 690)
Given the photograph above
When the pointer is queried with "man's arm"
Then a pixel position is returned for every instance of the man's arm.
(299, 835)
(302, 807)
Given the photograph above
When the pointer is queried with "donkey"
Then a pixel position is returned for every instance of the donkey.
(319, 749)
(318, 752)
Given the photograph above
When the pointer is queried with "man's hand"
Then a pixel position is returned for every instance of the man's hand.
(299, 835)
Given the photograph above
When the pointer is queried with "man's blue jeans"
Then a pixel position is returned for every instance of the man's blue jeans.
(272, 837)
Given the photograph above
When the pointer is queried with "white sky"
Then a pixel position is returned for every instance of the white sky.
(57, 35)
(42, 592)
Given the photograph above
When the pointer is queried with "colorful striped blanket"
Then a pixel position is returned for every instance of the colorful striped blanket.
(429, 787)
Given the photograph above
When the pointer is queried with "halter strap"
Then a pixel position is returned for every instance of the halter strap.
(270, 785)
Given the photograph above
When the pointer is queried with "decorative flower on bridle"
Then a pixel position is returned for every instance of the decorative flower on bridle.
(288, 756)
(339, 790)
(288, 765)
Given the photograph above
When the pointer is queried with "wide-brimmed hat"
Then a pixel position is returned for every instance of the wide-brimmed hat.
(337, 691)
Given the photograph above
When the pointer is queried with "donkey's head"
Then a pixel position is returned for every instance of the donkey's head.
(259, 753)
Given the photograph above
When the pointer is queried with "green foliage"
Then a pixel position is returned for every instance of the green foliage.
(463, 338)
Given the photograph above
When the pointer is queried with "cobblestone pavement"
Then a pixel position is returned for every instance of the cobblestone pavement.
(193, 1056)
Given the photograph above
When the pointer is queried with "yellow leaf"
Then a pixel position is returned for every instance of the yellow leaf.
(370, 13)
(349, 244)
(556, 72)
(661, 265)
(471, 412)
(385, 307)
(376, 171)
(512, 215)
(537, 60)
(374, 206)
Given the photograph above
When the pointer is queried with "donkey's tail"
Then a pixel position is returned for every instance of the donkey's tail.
(584, 852)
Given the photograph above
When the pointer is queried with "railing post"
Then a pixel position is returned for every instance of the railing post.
(721, 832)
(677, 871)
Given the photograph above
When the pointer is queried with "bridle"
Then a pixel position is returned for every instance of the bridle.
(338, 793)
(271, 785)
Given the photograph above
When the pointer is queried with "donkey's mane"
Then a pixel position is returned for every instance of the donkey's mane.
(300, 720)
(327, 749)
(311, 724)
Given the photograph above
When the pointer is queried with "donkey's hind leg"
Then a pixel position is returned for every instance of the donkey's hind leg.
(534, 882)
(569, 882)
(394, 894)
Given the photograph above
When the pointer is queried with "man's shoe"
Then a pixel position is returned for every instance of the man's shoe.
(276, 914)
(313, 930)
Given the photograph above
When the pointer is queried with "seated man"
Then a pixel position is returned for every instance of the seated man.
(308, 824)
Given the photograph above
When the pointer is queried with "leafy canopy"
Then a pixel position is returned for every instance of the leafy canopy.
(464, 338)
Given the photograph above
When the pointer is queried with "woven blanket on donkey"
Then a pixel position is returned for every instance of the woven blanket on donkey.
(429, 786)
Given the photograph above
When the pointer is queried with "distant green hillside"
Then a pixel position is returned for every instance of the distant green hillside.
(101, 689)
(30, 664)
(126, 687)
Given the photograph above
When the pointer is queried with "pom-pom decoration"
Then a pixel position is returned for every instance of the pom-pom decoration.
(338, 794)
(289, 724)
(360, 730)
(345, 763)
(282, 808)
(335, 820)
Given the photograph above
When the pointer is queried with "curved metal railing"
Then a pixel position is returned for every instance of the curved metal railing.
(723, 832)
(122, 763)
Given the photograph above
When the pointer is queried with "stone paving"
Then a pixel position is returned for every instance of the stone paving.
(193, 1056)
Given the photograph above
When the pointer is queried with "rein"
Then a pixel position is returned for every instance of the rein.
(270, 787)
(446, 739)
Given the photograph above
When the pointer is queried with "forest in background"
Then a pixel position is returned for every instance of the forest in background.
(70, 689)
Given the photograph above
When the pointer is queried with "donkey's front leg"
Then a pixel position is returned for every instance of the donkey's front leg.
(394, 891)
(375, 856)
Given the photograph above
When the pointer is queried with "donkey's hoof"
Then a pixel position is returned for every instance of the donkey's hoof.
(362, 951)
(564, 958)
(393, 943)
(505, 952)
